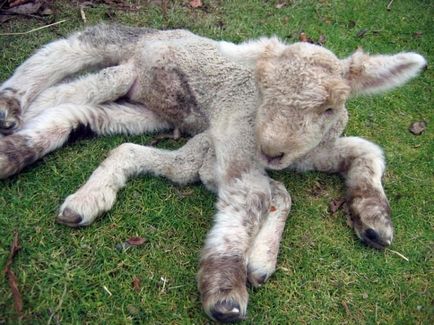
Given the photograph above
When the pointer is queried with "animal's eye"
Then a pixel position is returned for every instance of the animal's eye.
(329, 111)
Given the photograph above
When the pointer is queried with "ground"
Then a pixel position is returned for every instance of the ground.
(324, 276)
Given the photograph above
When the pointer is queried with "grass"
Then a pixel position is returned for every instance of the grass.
(325, 276)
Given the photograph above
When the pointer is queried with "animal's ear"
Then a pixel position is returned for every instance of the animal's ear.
(368, 74)
(249, 52)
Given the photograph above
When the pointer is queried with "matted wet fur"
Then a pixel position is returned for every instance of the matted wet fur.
(258, 105)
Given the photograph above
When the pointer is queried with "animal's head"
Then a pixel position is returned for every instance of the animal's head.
(304, 88)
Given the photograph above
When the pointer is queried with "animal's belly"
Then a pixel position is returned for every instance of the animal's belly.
(166, 92)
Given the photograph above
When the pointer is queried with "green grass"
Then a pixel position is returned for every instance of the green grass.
(324, 276)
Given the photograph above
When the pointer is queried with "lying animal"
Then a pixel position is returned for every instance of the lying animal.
(249, 107)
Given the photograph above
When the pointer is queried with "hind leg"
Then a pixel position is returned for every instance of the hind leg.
(128, 160)
(51, 130)
(96, 46)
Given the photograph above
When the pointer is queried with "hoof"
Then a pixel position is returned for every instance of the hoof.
(10, 111)
(227, 312)
(257, 278)
(69, 218)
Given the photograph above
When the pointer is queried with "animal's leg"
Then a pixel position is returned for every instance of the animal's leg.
(50, 130)
(262, 255)
(95, 46)
(244, 198)
(128, 160)
(362, 164)
(107, 85)
(263, 251)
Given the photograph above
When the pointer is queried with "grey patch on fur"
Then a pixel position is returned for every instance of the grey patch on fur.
(171, 97)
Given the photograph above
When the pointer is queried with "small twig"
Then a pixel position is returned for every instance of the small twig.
(347, 309)
(376, 313)
(34, 30)
(107, 290)
(12, 279)
(389, 6)
(163, 289)
(53, 313)
(83, 15)
(3, 3)
(164, 8)
(399, 254)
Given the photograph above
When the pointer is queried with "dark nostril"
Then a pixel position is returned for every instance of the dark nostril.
(371, 234)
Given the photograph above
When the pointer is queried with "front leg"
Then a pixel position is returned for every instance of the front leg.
(244, 199)
(262, 254)
(222, 277)
(362, 164)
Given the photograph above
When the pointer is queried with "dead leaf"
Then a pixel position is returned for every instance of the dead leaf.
(336, 204)
(352, 24)
(418, 34)
(136, 241)
(26, 9)
(280, 5)
(184, 192)
(417, 128)
(317, 189)
(322, 40)
(16, 3)
(302, 37)
(362, 32)
(133, 310)
(136, 284)
(133, 241)
(12, 279)
(196, 3)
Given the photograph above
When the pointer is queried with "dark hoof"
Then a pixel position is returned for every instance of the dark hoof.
(227, 312)
(9, 113)
(7, 127)
(69, 217)
(372, 238)
(257, 279)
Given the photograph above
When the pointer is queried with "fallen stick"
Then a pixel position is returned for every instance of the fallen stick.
(398, 253)
(33, 30)
(389, 6)
(12, 279)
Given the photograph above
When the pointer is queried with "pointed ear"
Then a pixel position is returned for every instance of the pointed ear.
(249, 52)
(373, 74)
